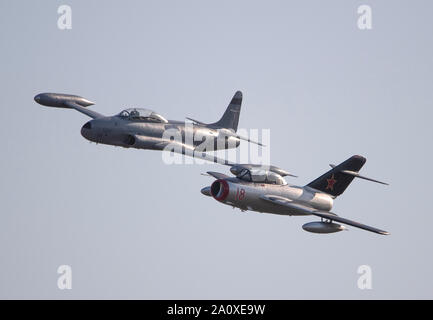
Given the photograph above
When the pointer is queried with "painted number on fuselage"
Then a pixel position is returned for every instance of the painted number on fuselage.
(240, 194)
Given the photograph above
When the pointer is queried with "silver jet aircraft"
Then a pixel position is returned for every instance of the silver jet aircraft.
(146, 129)
(264, 189)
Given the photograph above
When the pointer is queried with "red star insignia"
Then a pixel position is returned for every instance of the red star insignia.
(331, 183)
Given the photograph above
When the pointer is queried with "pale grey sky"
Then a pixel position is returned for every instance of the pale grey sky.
(132, 227)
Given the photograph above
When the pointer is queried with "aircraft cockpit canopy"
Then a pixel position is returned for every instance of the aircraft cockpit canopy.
(139, 114)
(261, 176)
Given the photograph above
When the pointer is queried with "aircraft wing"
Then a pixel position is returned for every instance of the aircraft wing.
(191, 152)
(288, 204)
(230, 133)
(209, 157)
(217, 175)
(330, 216)
(181, 148)
(227, 132)
(284, 202)
(87, 112)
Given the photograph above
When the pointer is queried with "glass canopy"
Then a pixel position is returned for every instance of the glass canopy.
(261, 176)
(139, 114)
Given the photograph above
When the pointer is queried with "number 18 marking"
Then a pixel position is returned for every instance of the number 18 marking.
(240, 194)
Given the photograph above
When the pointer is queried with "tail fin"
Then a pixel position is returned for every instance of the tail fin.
(336, 180)
(230, 118)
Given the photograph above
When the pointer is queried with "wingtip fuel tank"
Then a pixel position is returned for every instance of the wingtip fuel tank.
(58, 100)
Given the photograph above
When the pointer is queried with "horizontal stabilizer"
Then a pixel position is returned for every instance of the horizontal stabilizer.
(196, 121)
(357, 175)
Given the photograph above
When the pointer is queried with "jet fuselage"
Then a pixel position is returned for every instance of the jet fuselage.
(247, 196)
(145, 129)
(125, 133)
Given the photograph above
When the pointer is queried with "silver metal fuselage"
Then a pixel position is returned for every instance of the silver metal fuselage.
(145, 129)
(118, 132)
(247, 196)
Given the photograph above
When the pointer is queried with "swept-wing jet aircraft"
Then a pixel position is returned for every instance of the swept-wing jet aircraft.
(146, 129)
(265, 190)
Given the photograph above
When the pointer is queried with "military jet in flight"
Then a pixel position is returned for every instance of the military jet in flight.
(263, 189)
(145, 129)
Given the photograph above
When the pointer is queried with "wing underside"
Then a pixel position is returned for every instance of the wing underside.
(298, 208)
(180, 148)
(330, 216)
(87, 112)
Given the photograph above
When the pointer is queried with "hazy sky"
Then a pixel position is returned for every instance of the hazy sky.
(132, 227)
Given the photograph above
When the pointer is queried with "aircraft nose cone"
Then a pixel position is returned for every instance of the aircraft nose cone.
(38, 98)
(206, 191)
(88, 125)
(86, 130)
